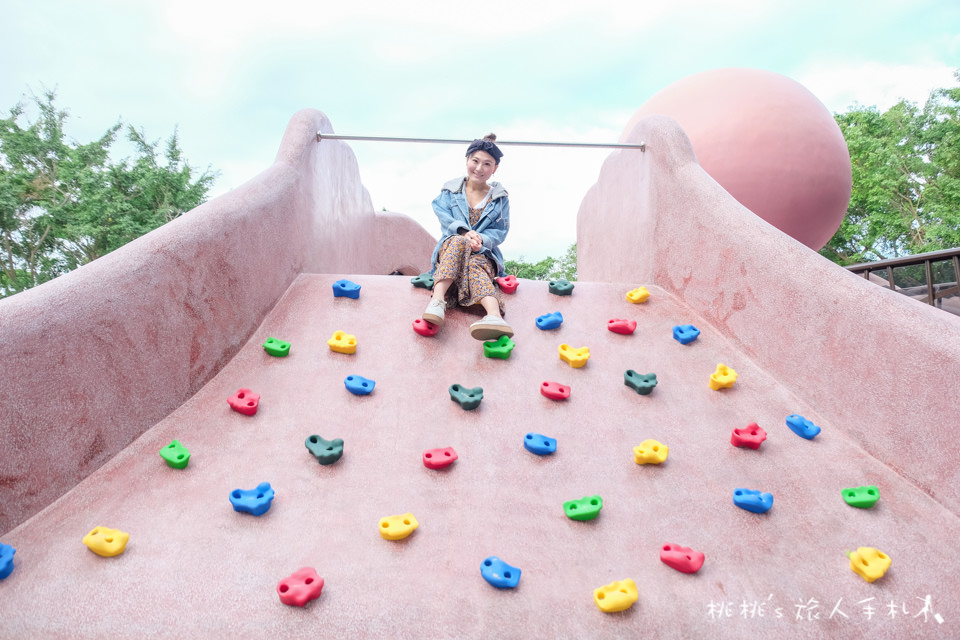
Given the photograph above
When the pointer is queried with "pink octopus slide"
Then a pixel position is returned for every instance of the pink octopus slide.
(107, 366)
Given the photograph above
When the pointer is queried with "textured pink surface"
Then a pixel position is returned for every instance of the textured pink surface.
(768, 141)
(92, 359)
(804, 336)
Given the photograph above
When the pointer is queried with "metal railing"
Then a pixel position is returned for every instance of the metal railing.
(642, 146)
(933, 266)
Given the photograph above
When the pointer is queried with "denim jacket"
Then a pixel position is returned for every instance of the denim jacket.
(453, 212)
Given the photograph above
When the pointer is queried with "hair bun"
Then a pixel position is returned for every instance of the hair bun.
(491, 137)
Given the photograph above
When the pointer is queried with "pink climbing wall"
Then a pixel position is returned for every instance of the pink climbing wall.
(95, 357)
(882, 366)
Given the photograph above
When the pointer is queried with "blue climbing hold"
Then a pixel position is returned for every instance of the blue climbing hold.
(751, 500)
(6, 560)
(346, 289)
(685, 333)
(358, 385)
(499, 573)
(550, 321)
(539, 444)
(802, 427)
(253, 501)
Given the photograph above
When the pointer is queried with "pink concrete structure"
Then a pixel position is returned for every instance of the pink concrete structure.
(114, 361)
(768, 141)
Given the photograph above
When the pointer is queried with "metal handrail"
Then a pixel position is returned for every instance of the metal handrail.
(590, 145)
(934, 292)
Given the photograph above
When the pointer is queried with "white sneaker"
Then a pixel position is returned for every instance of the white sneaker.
(490, 328)
(434, 312)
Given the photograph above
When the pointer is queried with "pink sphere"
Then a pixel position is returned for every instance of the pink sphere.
(769, 142)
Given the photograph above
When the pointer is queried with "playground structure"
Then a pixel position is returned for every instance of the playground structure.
(106, 365)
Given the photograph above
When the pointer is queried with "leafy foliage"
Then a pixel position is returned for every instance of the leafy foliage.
(64, 204)
(547, 269)
(906, 179)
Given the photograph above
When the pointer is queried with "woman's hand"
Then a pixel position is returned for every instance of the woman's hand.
(476, 241)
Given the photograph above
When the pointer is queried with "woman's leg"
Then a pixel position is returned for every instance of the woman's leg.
(491, 305)
(440, 288)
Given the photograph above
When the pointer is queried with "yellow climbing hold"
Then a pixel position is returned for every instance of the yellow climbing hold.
(638, 295)
(869, 563)
(343, 342)
(398, 527)
(650, 452)
(106, 542)
(616, 596)
(576, 358)
(722, 378)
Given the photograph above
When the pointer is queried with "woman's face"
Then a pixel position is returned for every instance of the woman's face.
(480, 167)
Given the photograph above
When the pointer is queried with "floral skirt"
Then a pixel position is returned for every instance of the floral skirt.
(472, 273)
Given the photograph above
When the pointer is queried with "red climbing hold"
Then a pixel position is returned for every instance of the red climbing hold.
(300, 587)
(508, 284)
(619, 325)
(425, 328)
(555, 390)
(245, 401)
(683, 559)
(750, 436)
(439, 458)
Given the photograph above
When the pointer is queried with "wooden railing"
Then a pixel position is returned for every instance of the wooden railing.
(928, 277)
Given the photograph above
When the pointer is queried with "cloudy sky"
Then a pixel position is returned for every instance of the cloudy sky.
(229, 75)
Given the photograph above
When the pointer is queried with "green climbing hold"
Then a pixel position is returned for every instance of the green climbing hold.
(586, 508)
(175, 454)
(424, 281)
(861, 497)
(499, 348)
(468, 399)
(277, 348)
(561, 287)
(641, 383)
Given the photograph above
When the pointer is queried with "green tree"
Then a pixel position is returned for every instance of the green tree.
(906, 179)
(547, 269)
(64, 204)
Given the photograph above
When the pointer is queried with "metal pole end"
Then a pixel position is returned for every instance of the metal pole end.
(319, 136)
(643, 147)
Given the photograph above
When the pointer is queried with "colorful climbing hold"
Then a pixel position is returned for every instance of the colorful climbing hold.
(425, 328)
(6, 560)
(616, 596)
(343, 342)
(638, 295)
(358, 385)
(751, 500)
(175, 454)
(424, 281)
(539, 444)
(576, 358)
(586, 508)
(325, 451)
(622, 326)
(346, 289)
(751, 436)
(869, 563)
(861, 497)
(555, 390)
(641, 383)
(244, 401)
(439, 458)
(650, 452)
(802, 427)
(683, 559)
(560, 287)
(549, 321)
(499, 348)
(253, 501)
(106, 542)
(277, 348)
(300, 587)
(468, 399)
(397, 527)
(722, 378)
(685, 333)
(499, 573)
(508, 284)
